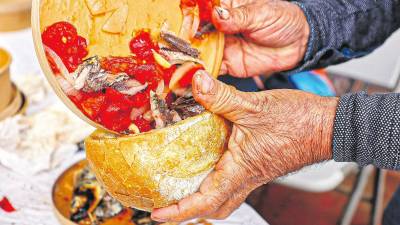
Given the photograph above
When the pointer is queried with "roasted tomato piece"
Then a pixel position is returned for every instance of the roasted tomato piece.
(142, 45)
(168, 74)
(118, 64)
(113, 118)
(188, 3)
(92, 106)
(64, 40)
(144, 72)
(60, 36)
(142, 124)
(53, 65)
(72, 62)
(187, 78)
(140, 99)
(80, 49)
(6, 205)
(205, 9)
(118, 99)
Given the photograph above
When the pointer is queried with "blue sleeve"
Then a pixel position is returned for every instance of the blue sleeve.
(344, 29)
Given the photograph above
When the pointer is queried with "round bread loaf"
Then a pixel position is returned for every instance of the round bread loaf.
(148, 170)
(158, 168)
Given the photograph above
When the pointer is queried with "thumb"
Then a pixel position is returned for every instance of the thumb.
(233, 20)
(218, 97)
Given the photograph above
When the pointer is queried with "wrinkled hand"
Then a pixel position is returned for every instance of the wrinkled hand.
(264, 36)
(274, 133)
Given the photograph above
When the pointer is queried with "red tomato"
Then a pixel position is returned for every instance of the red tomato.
(142, 45)
(5, 205)
(186, 80)
(142, 124)
(117, 99)
(188, 3)
(60, 36)
(115, 119)
(140, 99)
(82, 47)
(144, 73)
(118, 64)
(64, 40)
(92, 106)
(168, 74)
(205, 8)
(53, 65)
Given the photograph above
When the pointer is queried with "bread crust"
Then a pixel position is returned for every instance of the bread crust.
(158, 168)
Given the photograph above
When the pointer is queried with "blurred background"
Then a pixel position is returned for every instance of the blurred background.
(39, 137)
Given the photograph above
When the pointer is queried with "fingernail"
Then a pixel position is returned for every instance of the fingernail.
(204, 82)
(222, 13)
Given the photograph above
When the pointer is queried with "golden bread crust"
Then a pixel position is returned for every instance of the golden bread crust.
(158, 168)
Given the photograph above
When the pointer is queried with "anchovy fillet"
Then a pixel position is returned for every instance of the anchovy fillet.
(179, 44)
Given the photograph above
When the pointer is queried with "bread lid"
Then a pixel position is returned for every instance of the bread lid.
(91, 23)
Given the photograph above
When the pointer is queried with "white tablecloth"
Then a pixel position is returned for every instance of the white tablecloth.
(31, 196)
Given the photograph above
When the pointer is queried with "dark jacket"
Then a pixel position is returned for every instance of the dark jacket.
(367, 128)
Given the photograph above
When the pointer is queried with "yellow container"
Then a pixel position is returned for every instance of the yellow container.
(6, 90)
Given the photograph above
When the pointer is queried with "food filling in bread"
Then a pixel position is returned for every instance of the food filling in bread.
(149, 89)
(91, 205)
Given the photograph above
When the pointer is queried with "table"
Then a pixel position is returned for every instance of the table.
(31, 196)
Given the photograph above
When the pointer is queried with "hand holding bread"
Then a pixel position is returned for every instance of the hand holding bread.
(268, 140)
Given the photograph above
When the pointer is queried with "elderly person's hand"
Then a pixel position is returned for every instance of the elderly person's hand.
(264, 36)
(274, 133)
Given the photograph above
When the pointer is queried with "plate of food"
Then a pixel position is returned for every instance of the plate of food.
(79, 199)
(126, 67)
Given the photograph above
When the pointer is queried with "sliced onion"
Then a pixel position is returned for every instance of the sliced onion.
(134, 87)
(148, 116)
(67, 87)
(82, 77)
(133, 83)
(136, 112)
(187, 24)
(160, 123)
(196, 22)
(160, 88)
(179, 74)
(134, 129)
(190, 23)
(176, 117)
(59, 63)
